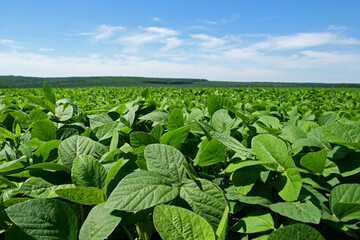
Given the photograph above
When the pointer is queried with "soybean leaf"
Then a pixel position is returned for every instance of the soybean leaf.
(314, 161)
(176, 119)
(292, 133)
(222, 228)
(49, 93)
(82, 195)
(88, 172)
(74, 146)
(47, 152)
(269, 148)
(175, 137)
(255, 222)
(313, 139)
(99, 223)
(112, 175)
(222, 122)
(174, 223)
(298, 231)
(215, 102)
(39, 188)
(12, 166)
(345, 201)
(156, 117)
(45, 130)
(289, 183)
(205, 198)
(342, 134)
(138, 139)
(232, 167)
(43, 218)
(6, 133)
(303, 212)
(165, 160)
(141, 190)
(232, 143)
(213, 153)
(49, 166)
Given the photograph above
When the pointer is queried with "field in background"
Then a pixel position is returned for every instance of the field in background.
(76, 82)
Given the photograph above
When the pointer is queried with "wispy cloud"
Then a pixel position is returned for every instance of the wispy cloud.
(6, 41)
(304, 40)
(156, 19)
(150, 35)
(220, 21)
(103, 32)
(46, 49)
(207, 41)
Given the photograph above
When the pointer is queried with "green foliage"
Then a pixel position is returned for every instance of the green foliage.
(135, 163)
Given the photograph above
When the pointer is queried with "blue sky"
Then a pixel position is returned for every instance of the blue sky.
(285, 41)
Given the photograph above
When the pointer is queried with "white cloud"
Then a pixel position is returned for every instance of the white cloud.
(304, 40)
(156, 19)
(221, 20)
(207, 41)
(171, 42)
(103, 32)
(46, 49)
(6, 41)
(150, 35)
(337, 28)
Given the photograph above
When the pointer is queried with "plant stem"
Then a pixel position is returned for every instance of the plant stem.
(127, 233)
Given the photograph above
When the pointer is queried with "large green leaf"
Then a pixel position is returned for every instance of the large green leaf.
(221, 231)
(345, 201)
(215, 102)
(74, 146)
(303, 212)
(298, 231)
(174, 223)
(156, 117)
(254, 222)
(342, 134)
(49, 93)
(39, 188)
(222, 122)
(165, 160)
(206, 200)
(292, 133)
(212, 153)
(46, 219)
(48, 105)
(244, 178)
(82, 195)
(6, 133)
(269, 148)
(141, 190)
(314, 161)
(232, 143)
(289, 183)
(45, 130)
(176, 119)
(88, 172)
(175, 137)
(112, 175)
(138, 139)
(11, 166)
(313, 139)
(99, 224)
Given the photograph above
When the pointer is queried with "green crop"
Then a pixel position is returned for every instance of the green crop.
(151, 163)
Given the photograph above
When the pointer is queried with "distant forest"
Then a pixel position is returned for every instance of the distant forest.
(76, 82)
